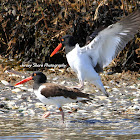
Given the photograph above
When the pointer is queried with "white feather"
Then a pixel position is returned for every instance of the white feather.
(122, 33)
(102, 49)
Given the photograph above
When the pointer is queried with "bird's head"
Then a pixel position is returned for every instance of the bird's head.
(67, 41)
(38, 77)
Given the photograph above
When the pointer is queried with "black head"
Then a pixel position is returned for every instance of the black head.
(39, 77)
(69, 42)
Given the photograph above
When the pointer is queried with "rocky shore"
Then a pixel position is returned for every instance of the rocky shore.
(123, 102)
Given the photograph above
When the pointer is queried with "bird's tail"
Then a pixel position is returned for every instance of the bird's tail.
(99, 84)
(106, 93)
(89, 99)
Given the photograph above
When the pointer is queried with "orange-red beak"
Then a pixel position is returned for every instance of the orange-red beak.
(24, 80)
(56, 49)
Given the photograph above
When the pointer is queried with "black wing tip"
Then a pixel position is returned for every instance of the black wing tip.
(106, 94)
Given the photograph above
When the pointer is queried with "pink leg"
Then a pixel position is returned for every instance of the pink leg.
(62, 113)
(47, 114)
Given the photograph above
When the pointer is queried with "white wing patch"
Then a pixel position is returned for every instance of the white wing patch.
(39, 95)
(110, 41)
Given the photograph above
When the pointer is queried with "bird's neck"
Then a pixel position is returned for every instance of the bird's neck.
(36, 85)
(69, 48)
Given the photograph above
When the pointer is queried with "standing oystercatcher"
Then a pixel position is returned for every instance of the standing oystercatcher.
(53, 94)
(90, 60)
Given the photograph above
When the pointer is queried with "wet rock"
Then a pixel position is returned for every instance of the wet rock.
(5, 82)
(39, 104)
(2, 105)
(102, 98)
(55, 78)
(63, 83)
(135, 107)
(24, 88)
(115, 89)
(30, 89)
(138, 86)
(25, 103)
(16, 90)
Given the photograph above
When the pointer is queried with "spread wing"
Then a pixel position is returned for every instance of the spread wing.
(110, 41)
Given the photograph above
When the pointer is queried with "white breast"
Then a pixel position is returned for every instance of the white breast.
(72, 57)
(42, 98)
(81, 64)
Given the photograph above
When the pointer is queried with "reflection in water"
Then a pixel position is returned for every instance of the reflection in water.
(35, 128)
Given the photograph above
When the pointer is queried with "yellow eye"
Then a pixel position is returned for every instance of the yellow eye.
(62, 39)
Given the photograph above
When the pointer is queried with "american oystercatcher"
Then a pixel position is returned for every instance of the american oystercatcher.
(53, 94)
(90, 60)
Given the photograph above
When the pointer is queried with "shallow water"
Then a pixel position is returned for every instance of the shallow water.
(37, 128)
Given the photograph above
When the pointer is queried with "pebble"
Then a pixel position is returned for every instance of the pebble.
(115, 89)
(109, 90)
(2, 105)
(71, 105)
(125, 91)
(102, 97)
(63, 83)
(21, 85)
(136, 100)
(132, 86)
(138, 86)
(25, 103)
(16, 90)
(106, 87)
(39, 104)
(24, 88)
(5, 82)
(136, 94)
(81, 111)
(55, 78)
(30, 89)
(1, 112)
(135, 107)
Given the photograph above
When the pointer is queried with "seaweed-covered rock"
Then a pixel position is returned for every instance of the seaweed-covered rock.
(30, 30)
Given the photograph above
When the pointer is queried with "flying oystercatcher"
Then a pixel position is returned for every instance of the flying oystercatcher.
(53, 94)
(90, 60)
